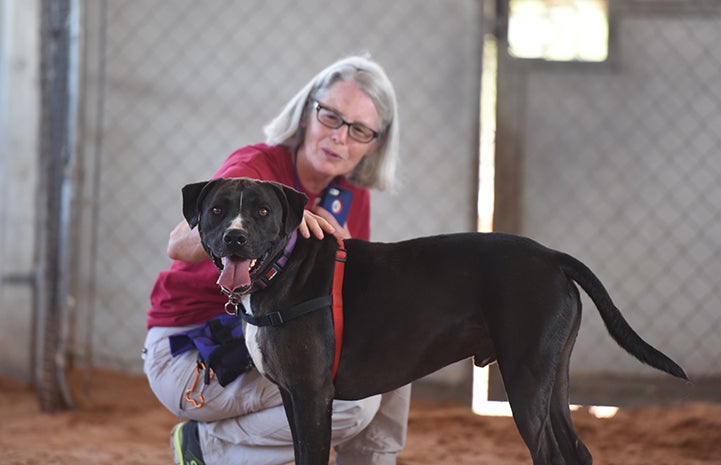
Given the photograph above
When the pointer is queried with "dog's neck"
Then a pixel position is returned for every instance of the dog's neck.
(277, 265)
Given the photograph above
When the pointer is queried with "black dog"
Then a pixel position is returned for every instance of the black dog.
(410, 308)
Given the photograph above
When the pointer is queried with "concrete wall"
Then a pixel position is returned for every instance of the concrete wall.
(19, 100)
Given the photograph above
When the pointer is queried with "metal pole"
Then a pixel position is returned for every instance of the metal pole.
(56, 161)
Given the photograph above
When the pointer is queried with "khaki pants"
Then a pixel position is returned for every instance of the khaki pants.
(245, 423)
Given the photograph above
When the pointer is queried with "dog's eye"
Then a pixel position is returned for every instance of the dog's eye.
(216, 211)
(263, 212)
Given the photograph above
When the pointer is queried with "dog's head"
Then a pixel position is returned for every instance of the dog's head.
(244, 225)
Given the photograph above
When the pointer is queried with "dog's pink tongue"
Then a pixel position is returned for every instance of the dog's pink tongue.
(235, 274)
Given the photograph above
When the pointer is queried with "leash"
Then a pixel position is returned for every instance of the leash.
(338, 272)
(335, 300)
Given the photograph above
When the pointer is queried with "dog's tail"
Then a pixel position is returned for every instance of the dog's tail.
(617, 326)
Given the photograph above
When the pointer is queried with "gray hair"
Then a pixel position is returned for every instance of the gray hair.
(379, 168)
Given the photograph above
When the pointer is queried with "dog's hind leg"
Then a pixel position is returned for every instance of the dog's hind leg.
(570, 444)
(535, 374)
(529, 394)
(572, 448)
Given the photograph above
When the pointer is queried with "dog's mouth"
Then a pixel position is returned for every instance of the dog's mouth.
(236, 273)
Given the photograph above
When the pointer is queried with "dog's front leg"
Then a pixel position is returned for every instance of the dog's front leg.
(309, 416)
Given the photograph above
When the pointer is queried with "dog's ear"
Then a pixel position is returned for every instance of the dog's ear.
(193, 195)
(293, 203)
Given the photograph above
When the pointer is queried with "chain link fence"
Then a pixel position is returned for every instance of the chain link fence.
(172, 88)
(614, 163)
(619, 164)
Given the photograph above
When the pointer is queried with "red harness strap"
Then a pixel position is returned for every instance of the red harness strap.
(340, 258)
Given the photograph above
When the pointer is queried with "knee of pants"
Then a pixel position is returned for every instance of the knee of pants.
(352, 417)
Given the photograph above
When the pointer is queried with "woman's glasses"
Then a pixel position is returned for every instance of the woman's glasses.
(331, 119)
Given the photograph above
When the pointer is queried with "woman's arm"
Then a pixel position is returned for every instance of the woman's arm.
(184, 244)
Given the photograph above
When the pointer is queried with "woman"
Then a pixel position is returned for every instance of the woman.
(340, 130)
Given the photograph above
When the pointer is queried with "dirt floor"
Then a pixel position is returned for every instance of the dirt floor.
(121, 422)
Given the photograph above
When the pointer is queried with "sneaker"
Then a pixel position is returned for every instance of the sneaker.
(185, 444)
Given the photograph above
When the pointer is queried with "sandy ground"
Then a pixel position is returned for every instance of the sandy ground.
(121, 422)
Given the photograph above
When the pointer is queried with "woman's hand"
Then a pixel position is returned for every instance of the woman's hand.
(341, 232)
(315, 225)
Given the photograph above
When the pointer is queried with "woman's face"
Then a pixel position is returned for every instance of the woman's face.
(328, 152)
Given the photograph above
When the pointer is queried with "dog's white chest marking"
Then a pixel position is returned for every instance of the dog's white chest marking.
(237, 222)
(251, 338)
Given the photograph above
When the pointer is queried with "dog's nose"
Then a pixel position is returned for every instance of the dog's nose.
(235, 237)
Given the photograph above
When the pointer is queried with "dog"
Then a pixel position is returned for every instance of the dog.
(410, 308)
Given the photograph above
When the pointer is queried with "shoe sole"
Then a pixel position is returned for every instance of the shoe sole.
(175, 444)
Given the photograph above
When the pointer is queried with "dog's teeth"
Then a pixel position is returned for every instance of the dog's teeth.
(252, 262)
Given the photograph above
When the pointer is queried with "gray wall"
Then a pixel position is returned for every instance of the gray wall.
(621, 167)
(19, 99)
